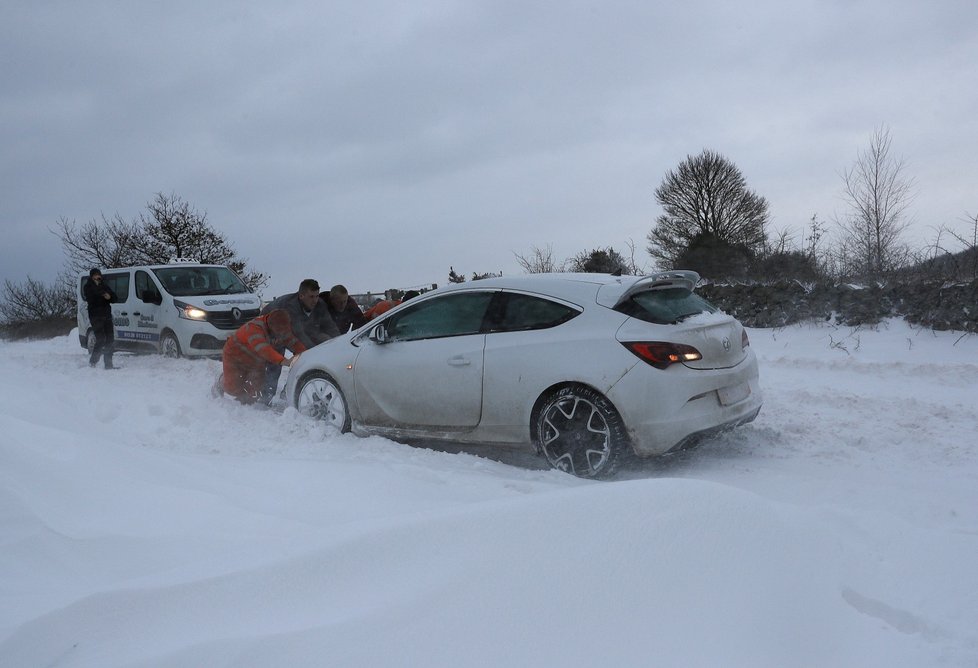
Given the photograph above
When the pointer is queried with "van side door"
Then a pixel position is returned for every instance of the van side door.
(146, 308)
(118, 282)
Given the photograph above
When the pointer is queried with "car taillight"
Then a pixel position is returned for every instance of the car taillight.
(744, 341)
(661, 354)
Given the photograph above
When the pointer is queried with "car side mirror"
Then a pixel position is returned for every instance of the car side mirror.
(152, 297)
(379, 334)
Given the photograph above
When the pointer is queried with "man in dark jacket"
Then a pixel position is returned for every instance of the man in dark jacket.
(310, 320)
(100, 297)
(343, 308)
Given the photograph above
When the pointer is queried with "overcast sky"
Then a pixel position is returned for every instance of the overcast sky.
(377, 143)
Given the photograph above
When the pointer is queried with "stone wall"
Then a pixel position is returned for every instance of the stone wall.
(934, 305)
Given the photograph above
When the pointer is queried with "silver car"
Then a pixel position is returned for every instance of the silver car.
(587, 369)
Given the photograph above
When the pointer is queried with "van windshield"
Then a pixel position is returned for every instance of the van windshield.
(190, 281)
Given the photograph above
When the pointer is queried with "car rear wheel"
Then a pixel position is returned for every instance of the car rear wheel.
(320, 398)
(169, 346)
(580, 432)
(90, 341)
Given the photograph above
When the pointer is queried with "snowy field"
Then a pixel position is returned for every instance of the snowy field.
(144, 523)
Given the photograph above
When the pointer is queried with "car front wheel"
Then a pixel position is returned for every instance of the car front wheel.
(580, 432)
(320, 398)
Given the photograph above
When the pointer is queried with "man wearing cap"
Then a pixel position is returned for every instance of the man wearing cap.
(251, 348)
(100, 297)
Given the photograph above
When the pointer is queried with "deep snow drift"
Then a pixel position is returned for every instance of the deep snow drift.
(145, 523)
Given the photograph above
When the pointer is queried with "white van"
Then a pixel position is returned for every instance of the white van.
(181, 308)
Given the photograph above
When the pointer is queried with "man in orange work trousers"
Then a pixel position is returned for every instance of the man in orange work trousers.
(251, 348)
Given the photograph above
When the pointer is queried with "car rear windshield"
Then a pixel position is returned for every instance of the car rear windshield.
(665, 306)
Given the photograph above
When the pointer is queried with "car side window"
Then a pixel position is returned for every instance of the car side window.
(449, 315)
(515, 312)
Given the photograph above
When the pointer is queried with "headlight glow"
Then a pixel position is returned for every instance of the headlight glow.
(189, 311)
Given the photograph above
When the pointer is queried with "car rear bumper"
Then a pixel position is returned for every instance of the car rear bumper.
(696, 403)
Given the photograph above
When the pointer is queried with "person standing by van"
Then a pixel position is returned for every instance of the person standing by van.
(99, 297)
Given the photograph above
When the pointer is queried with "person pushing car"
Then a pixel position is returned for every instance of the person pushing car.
(251, 348)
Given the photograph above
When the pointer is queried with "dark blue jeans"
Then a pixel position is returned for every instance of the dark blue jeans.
(104, 340)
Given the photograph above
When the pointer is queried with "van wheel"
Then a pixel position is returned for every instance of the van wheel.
(90, 341)
(169, 346)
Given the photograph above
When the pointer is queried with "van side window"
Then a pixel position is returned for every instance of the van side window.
(144, 285)
(119, 284)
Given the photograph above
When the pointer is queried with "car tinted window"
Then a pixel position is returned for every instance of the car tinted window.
(518, 312)
(665, 306)
(449, 315)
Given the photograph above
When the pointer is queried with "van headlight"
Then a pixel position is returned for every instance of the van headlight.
(189, 311)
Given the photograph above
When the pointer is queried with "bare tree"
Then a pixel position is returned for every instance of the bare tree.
(171, 229)
(33, 301)
(941, 261)
(879, 193)
(969, 263)
(539, 261)
(94, 244)
(634, 268)
(706, 197)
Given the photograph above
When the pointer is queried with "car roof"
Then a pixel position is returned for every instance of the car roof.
(569, 286)
(606, 289)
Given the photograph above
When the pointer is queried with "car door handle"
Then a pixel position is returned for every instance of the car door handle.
(124, 313)
(459, 361)
(135, 313)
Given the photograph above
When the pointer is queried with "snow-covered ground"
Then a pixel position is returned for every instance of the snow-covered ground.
(144, 523)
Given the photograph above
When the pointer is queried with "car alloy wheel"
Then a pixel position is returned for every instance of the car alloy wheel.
(321, 399)
(169, 346)
(580, 432)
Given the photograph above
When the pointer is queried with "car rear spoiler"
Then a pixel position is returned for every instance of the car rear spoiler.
(680, 278)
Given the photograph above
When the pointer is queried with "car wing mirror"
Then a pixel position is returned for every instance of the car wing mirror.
(379, 334)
